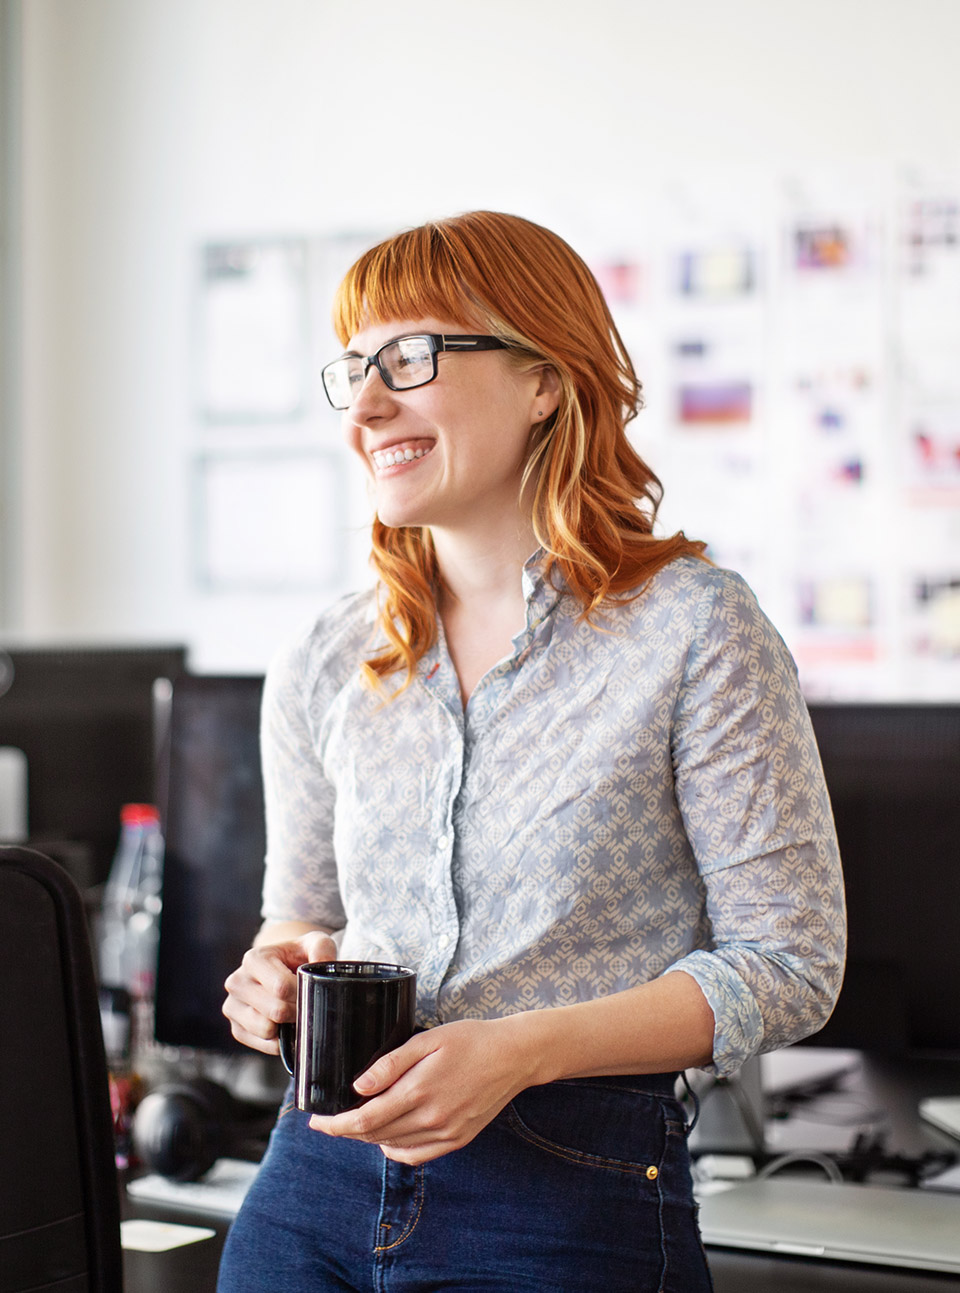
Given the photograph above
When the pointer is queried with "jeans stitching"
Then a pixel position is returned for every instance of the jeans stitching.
(519, 1128)
(412, 1225)
(663, 1238)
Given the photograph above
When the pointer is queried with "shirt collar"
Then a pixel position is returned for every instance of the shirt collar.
(540, 593)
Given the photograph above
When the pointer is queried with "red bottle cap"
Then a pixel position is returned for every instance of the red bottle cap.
(139, 815)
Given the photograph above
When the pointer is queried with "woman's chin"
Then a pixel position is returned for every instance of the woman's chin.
(399, 518)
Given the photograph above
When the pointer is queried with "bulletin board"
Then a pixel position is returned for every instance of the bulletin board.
(798, 340)
(800, 353)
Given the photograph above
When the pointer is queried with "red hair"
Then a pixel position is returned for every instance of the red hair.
(594, 498)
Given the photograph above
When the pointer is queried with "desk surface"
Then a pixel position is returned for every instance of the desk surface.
(754, 1273)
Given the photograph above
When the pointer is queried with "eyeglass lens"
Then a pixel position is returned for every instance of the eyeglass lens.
(404, 363)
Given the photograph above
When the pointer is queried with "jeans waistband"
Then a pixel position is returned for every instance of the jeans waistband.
(662, 1084)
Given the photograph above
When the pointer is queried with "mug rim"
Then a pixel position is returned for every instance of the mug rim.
(356, 971)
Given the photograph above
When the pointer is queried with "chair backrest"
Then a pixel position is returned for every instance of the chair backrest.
(59, 1197)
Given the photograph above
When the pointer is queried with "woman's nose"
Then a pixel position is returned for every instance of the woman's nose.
(374, 398)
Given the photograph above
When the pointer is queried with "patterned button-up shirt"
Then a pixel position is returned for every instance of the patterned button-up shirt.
(617, 800)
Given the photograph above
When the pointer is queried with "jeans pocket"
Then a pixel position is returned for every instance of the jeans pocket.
(597, 1126)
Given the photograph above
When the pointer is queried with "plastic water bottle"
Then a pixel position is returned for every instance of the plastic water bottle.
(127, 955)
(130, 915)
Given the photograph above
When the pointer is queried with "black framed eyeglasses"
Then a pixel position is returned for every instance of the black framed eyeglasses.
(403, 363)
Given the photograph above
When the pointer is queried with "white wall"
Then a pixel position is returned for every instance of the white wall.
(153, 125)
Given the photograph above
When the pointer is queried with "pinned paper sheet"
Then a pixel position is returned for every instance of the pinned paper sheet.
(157, 1236)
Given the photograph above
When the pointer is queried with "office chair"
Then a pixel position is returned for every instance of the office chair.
(59, 1197)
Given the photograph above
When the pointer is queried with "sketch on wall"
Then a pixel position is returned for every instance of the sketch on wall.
(265, 520)
(267, 505)
(253, 343)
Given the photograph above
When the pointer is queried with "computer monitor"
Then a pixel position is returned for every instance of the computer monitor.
(83, 716)
(211, 803)
(893, 772)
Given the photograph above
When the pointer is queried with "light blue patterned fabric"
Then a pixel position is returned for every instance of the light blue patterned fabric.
(616, 802)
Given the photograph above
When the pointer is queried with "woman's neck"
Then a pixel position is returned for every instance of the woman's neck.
(481, 600)
(479, 571)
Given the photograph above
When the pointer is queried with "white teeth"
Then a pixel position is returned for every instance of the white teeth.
(389, 457)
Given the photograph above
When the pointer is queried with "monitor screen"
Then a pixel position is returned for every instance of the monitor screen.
(211, 804)
(893, 772)
(83, 716)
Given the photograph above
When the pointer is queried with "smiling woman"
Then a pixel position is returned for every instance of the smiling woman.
(448, 456)
(592, 509)
(552, 761)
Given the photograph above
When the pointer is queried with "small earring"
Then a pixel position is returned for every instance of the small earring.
(539, 413)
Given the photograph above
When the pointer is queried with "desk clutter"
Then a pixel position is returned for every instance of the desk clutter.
(828, 1159)
(858, 1118)
(220, 1191)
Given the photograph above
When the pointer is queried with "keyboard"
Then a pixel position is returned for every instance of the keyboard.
(220, 1191)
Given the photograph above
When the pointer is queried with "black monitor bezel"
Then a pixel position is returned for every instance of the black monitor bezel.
(883, 760)
(200, 944)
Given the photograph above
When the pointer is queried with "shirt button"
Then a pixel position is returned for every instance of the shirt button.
(443, 842)
(443, 940)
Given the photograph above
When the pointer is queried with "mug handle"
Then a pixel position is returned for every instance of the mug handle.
(287, 1039)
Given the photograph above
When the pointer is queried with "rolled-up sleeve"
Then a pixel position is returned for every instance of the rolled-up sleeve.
(755, 807)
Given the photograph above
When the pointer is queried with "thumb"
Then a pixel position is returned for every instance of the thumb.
(294, 952)
(385, 1071)
(318, 946)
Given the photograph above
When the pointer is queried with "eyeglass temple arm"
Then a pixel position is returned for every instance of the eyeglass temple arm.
(473, 343)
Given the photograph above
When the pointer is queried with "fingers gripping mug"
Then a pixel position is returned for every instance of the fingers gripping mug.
(349, 1013)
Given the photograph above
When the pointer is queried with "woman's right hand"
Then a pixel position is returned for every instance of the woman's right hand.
(262, 991)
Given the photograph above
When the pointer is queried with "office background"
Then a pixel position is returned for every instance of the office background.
(176, 169)
(769, 193)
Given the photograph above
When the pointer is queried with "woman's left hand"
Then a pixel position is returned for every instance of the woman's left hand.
(437, 1091)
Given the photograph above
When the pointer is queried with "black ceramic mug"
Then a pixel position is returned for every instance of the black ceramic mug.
(349, 1013)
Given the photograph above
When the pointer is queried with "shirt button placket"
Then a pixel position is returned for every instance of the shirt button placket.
(442, 918)
(446, 913)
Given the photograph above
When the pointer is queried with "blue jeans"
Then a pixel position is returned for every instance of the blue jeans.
(576, 1187)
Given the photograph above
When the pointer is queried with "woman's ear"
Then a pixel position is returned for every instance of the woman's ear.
(547, 396)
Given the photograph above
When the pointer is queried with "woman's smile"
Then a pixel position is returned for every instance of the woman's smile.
(472, 422)
(395, 456)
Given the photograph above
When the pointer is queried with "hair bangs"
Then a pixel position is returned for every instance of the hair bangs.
(410, 276)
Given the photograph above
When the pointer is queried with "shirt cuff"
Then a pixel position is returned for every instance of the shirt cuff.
(738, 1030)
